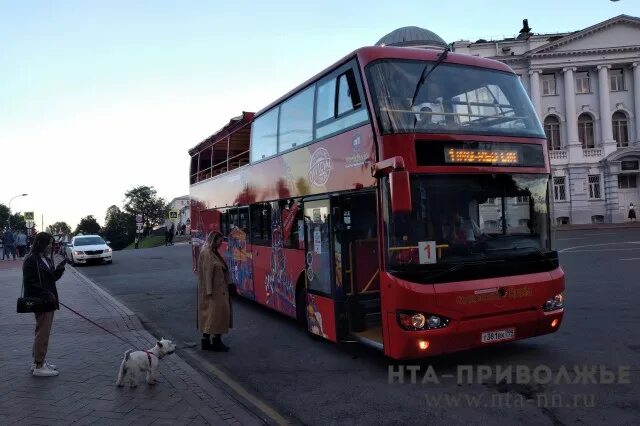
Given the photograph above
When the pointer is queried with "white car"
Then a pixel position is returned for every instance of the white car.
(87, 248)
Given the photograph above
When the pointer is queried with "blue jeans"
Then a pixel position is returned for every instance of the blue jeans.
(8, 251)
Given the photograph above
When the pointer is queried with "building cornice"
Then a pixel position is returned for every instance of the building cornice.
(607, 50)
(584, 33)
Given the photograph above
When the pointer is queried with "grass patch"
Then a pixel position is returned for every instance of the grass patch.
(148, 242)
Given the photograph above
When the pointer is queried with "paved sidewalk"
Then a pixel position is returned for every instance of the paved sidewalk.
(88, 359)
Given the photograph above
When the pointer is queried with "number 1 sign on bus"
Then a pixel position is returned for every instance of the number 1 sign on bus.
(423, 219)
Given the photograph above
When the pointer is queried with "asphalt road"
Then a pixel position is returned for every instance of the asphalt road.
(316, 382)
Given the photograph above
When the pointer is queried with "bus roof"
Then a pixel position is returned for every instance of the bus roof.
(367, 55)
(235, 124)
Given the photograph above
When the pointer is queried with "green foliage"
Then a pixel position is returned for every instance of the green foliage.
(88, 225)
(4, 216)
(119, 228)
(144, 200)
(148, 242)
(18, 223)
(59, 228)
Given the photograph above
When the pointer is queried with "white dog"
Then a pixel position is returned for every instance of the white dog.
(137, 362)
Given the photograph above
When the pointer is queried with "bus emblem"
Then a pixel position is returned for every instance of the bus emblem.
(320, 166)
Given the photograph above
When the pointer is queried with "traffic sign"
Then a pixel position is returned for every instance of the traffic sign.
(30, 224)
(138, 218)
(173, 214)
(28, 216)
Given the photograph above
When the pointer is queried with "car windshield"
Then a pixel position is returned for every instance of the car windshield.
(452, 99)
(461, 219)
(88, 241)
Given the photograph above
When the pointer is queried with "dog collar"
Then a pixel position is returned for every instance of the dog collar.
(149, 356)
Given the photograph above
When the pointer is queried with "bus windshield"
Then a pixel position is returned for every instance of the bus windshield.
(451, 99)
(463, 219)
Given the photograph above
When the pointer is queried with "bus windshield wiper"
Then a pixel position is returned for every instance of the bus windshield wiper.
(423, 76)
(516, 248)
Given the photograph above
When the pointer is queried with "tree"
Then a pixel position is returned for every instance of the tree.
(88, 225)
(18, 223)
(4, 216)
(144, 200)
(119, 228)
(59, 228)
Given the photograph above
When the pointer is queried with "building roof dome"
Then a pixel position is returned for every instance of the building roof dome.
(412, 36)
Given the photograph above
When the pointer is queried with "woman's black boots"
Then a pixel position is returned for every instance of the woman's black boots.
(217, 345)
(213, 343)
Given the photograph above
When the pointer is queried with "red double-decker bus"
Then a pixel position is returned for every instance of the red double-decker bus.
(399, 198)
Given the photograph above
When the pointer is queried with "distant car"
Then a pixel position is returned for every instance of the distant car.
(88, 248)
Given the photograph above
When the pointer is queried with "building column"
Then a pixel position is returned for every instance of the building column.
(573, 143)
(606, 127)
(535, 91)
(636, 99)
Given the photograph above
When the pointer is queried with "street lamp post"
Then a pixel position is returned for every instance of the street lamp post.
(13, 198)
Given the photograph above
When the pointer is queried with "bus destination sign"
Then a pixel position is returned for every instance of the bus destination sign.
(480, 156)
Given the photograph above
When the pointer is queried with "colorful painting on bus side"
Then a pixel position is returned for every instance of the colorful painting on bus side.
(280, 290)
(320, 319)
(239, 261)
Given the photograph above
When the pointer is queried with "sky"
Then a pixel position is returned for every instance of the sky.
(99, 97)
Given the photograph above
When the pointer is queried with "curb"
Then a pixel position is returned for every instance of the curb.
(588, 226)
(195, 373)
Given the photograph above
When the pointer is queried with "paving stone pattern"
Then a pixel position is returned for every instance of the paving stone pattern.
(88, 360)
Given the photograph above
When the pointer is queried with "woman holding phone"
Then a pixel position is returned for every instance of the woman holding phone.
(40, 275)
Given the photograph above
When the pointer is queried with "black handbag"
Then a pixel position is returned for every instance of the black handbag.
(27, 305)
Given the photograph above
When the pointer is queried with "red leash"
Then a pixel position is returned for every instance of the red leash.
(98, 325)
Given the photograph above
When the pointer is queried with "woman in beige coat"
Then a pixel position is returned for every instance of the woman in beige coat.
(214, 307)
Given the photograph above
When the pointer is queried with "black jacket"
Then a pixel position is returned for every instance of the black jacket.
(48, 277)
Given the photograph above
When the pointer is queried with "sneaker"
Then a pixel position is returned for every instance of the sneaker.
(50, 366)
(44, 371)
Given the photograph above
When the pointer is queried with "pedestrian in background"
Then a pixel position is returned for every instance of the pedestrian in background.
(39, 277)
(632, 212)
(9, 244)
(21, 243)
(172, 231)
(214, 305)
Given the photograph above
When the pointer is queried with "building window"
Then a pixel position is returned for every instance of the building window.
(549, 84)
(582, 82)
(620, 129)
(616, 80)
(627, 181)
(630, 165)
(562, 220)
(585, 131)
(552, 130)
(597, 218)
(594, 187)
(559, 192)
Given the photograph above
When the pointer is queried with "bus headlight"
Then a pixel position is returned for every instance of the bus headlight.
(415, 321)
(555, 303)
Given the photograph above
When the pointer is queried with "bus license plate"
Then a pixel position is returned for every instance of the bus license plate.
(498, 335)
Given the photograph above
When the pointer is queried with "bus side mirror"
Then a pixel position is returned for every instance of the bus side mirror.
(400, 192)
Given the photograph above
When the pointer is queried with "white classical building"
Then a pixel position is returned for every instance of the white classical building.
(182, 206)
(585, 86)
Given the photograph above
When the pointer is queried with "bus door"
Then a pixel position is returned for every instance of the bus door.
(320, 303)
(238, 253)
(357, 267)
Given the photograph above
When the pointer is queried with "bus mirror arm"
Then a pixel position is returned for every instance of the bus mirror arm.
(399, 183)
(384, 167)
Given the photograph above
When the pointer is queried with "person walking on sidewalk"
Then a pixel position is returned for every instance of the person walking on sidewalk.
(21, 243)
(9, 244)
(40, 276)
(214, 305)
(632, 212)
